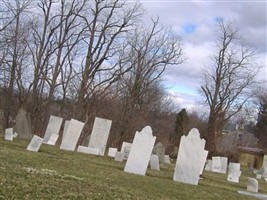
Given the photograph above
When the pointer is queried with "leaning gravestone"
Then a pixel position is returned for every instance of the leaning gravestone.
(159, 150)
(53, 128)
(154, 162)
(72, 135)
(35, 143)
(66, 125)
(252, 185)
(234, 172)
(140, 153)
(99, 135)
(23, 124)
(190, 158)
(9, 134)
(216, 164)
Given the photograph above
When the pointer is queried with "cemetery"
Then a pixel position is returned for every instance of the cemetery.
(42, 168)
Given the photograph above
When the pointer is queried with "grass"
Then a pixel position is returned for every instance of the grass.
(56, 174)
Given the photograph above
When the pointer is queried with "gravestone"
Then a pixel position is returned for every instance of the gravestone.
(167, 159)
(23, 124)
(224, 163)
(263, 171)
(264, 164)
(159, 150)
(216, 164)
(140, 153)
(126, 148)
(154, 162)
(119, 156)
(88, 150)
(35, 143)
(53, 128)
(234, 172)
(9, 134)
(258, 176)
(208, 166)
(252, 185)
(190, 158)
(52, 139)
(99, 135)
(72, 135)
(112, 152)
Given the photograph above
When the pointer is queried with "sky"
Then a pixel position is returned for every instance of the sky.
(195, 22)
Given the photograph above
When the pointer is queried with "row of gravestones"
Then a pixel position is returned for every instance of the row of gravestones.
(190, 160)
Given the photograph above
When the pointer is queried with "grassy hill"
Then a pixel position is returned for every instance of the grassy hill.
(56, 174)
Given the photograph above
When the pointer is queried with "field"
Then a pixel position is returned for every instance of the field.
(56, 174)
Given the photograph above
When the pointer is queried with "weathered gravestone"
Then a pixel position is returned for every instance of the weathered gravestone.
(99, 135)
(159, 150)
(72, 135)
(126, 148)
(154, 162)
(252, 185)
(52, 129)
(216, 164)
(9, 134)
(23, 124)
(88, 150)
(167, 159)
(190, 158)
(35, 143)
(112, 152)
(140, 153)
(264, 164)
(234, 172)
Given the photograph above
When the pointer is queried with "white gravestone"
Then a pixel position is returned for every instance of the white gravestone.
(35, 143)
(53, 127)
(264, 164)
(88, 150)
(190, 158)
(119, 156)
(252, 185)
(9, 134)
(126, 148)
(216, 164)
(99, 135)
(167, 159)
(112, 152)
(224, 163)
(53, 139)
(234, 172)
(258, 176)
(140, 153)
(72, 135)
(154, 162)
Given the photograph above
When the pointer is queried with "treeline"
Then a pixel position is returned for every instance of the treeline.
(83, 59)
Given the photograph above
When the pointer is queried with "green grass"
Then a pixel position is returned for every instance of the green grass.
(56, 174)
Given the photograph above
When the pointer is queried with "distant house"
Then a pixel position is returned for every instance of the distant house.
(229, 143)
(250, 157)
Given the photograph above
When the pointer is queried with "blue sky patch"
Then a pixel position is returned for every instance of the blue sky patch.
(189, 28)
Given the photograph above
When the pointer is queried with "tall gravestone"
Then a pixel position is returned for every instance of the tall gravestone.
(72, 135)
(99, 135)
(159, 150)
(23, 124)
(52, 130)
(66, 125)
(190, 158)
(141, 151)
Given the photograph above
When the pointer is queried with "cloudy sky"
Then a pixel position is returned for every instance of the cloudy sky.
(195, 22)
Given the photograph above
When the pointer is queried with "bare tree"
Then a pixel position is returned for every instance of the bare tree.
(147, 54)
(226, 85)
